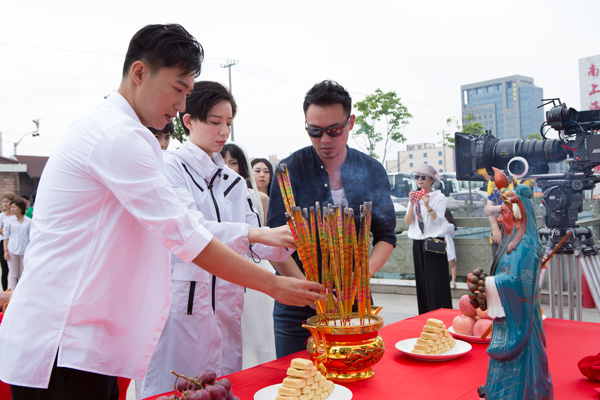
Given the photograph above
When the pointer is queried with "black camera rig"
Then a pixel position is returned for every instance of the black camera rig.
(578, 144)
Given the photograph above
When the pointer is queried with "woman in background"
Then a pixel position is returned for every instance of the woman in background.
(425, 217)
(262, 171)
(6, 214)
(164, 135)
(236, 159)
(16, 239)
(258, 337)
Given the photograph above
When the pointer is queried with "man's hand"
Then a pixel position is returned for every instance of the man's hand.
(6, 255)
(496, 234)
(296, 292)
(276, 237)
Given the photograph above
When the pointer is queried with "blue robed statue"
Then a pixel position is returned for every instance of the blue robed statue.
(518, 366)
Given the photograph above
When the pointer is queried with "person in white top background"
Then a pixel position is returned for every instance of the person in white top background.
(16, 238)
(203, 330)
(431, 269)
(95, 292)
(4, 216)
(258, 337)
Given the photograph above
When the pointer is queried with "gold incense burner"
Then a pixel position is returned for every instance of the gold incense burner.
(345, 353)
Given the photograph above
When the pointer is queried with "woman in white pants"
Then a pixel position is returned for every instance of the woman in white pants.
(16, 239)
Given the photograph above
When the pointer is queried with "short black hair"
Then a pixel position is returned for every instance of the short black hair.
(204, 96)
(269, 166)
(326, 93)
(169, 129)
(237, 153)
(21, 203)
(168, 46)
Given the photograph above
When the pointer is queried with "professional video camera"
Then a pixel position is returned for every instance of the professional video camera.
(577, 142)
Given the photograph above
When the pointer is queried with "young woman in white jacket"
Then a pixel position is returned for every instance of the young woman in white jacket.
(431, 269)
(203, 330)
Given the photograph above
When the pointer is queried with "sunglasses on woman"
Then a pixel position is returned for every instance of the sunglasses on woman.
(420, 177)
(333, 131)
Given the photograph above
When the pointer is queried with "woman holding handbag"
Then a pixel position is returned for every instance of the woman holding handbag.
(427, 228)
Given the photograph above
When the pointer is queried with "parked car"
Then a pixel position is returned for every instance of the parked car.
(399, 204)
(460, 199)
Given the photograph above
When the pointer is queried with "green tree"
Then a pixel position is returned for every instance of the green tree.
(535, 136)
(179, 132)
(377, 110)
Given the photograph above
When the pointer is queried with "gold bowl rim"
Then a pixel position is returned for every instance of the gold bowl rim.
(373, 326)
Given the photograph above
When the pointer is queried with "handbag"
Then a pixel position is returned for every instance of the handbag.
(435, 245)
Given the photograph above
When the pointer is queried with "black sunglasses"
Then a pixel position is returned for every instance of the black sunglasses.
(420, 177)
(333, 131)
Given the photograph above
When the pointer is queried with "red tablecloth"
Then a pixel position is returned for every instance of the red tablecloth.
(398, 376)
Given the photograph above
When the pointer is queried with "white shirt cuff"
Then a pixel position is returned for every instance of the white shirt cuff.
(494, 304)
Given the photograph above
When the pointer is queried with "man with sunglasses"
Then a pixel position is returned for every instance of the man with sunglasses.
(327, 172)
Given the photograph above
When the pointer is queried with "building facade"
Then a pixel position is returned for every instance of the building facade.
(441, 158)
(506, 106)
(21, 176)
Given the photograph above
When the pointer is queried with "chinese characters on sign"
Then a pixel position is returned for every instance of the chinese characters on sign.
(589, 77)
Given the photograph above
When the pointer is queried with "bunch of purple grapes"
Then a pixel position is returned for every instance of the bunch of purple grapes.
(204, 387)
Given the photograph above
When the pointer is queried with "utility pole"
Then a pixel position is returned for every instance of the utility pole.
(443, 150)
(228, 65)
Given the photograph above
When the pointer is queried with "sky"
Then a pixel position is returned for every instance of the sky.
(60, 58)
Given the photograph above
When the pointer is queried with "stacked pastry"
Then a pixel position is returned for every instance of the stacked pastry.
(435, 339)
(304, 382)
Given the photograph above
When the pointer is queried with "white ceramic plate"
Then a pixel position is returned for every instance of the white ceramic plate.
(269, 393)
(460, 348)
(472, 339)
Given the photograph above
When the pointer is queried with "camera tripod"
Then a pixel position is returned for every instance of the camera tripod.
(573, 241)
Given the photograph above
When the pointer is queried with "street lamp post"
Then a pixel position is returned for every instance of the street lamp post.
(34, 133)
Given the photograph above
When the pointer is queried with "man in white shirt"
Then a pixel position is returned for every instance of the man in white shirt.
(95, 293)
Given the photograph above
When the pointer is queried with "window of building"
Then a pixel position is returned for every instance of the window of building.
(439, 153)
(424, 155)
(425, 162)
(440, 162)
(410, 156)
(410, 165)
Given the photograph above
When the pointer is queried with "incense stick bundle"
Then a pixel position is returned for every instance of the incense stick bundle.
(343, 263)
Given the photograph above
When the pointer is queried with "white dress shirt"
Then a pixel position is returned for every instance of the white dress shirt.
(96, 284)
(433, 227)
